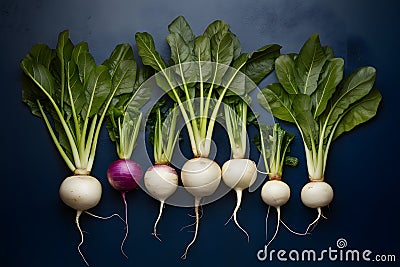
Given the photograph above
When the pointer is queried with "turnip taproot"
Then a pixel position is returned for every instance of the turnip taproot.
(238, 173)
(161, 180)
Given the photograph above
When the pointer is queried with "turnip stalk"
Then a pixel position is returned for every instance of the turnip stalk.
(161, 180)
(313, 94)
(238, 173)
(66, 85)
(274, 146)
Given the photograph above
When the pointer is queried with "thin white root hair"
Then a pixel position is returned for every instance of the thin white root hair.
(104, 218)
(230, 218)
(184, 227)
(278, 210)
(266, 173)
(314, 223)
(196, 209)
(238, 202)
(193, 216)
(200, 213)
(158, 219)
(78, 214)
(126, 224)
(292, 231)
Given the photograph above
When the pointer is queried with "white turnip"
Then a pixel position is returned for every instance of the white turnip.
(314, 94)
(238, 173)
(316, 195)
(80, 192)
(200, 70)
(274, 146)
(161, 180)
(200, 177)
(66, 85)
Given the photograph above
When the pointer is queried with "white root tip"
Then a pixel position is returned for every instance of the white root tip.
(126, 225)
(196, 209)
(158, 219)
(78, 214)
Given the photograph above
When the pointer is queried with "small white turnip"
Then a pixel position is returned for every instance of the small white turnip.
(275, 193)
(80, 192)
(200, 177)
(239, 174)
(316, 195)
(161, 182)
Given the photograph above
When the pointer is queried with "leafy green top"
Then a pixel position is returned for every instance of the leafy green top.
(204, 67)
(313, 94)
(124, 117)
(66, 84)
(274, 145)
(163, 134)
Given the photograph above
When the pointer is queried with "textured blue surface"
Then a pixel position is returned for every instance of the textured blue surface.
(38, 229)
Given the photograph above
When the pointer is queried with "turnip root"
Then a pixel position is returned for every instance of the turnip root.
(274, 146)
(200, 177)
(124, 176)
(316, 195)
(161, 182)
(275, 193)
(239, 174)
(80, 192)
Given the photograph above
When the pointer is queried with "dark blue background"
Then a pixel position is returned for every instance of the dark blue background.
(38, 229)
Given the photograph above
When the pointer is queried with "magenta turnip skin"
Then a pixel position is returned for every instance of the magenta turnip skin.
(124, 175)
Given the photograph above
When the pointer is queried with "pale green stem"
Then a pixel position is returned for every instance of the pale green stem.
(86, 154)
(202, 116)
(134, 136)
(76, 122)
(190, 105)
(205, 116)
(263, 152)
(172, 139)
(229, 129)
(70, 138)
(244, 128)
(309, 160)
(53, 136)
(211, 124)
(119, 143)
(278, 154)
(184, 114)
